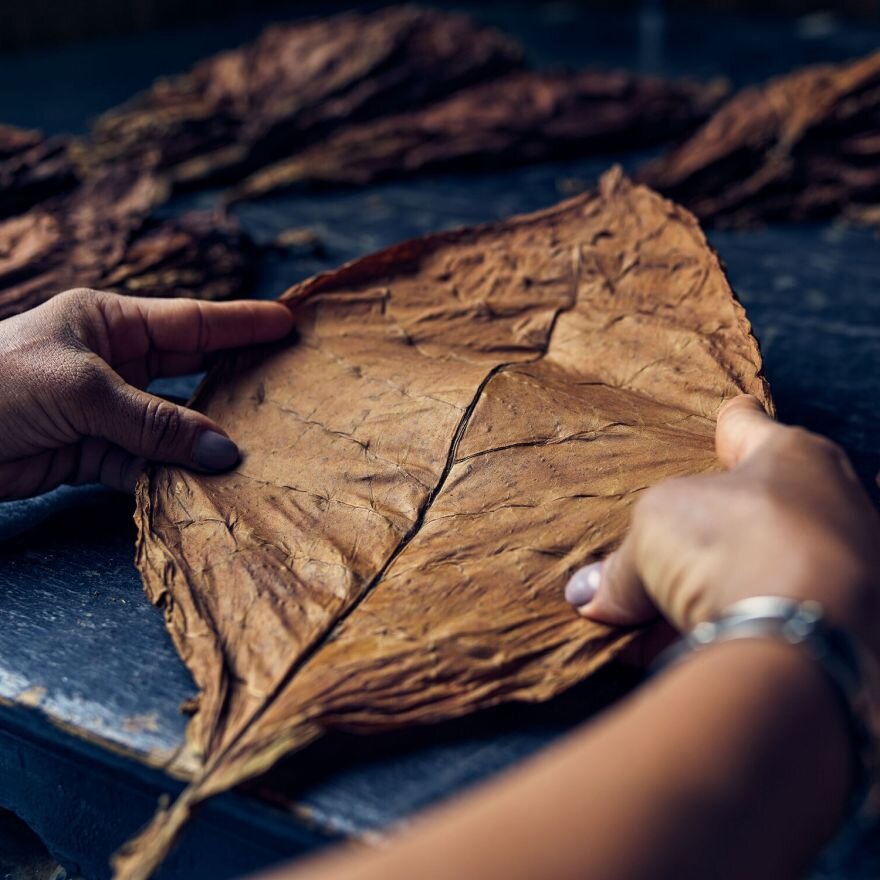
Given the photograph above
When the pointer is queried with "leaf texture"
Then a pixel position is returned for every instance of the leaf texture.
(101, 235)
(462, 421)
(802, 146)
(520, 118)
(242, 108)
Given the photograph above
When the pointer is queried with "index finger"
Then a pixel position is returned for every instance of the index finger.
(138, 325)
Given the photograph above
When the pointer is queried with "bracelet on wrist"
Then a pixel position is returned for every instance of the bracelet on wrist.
(836, 652)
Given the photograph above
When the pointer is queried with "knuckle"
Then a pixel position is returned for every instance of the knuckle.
(73, 315)
(76, 299)
(798, 451)
(163, 424)
(796, 440)
(75, 294)
(825, 446)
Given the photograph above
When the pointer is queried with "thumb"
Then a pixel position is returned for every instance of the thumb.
(152, 428)
(612, 591)
(742, 427)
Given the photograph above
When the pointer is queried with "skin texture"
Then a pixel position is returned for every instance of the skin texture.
(72, 401)
(688, 779)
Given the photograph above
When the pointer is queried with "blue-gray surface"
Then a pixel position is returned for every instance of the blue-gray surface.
(78, 641)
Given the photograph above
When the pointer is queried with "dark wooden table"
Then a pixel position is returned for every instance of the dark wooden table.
(90, 685)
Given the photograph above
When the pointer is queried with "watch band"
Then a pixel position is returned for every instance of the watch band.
(834, 650)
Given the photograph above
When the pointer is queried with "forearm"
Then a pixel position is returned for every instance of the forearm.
(734, 764)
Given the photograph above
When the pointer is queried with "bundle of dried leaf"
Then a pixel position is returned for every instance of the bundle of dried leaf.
(101, 235)
(462, 420)
(802, 146)
(243, 108)
(32, 168)
(520, 118)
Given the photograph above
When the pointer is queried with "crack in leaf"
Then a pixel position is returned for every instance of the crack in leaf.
(328, 635)
(579, 436)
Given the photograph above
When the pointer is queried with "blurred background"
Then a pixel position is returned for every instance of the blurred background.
(41, 22)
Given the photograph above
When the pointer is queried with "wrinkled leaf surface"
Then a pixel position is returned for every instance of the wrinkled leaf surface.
(462, 421)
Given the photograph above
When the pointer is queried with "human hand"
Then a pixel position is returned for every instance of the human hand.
(788, 517)
(72, 405)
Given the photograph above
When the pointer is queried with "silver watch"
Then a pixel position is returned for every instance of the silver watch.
(836, 652)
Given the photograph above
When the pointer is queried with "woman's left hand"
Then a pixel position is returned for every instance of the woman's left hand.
(72, 404)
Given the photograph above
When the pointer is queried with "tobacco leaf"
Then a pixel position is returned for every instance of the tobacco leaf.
(520, 118)
(32, 168)
(240, 109)
(801, 146)
(462, 420)
(102, 235)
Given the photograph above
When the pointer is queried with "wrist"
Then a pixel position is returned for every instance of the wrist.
(802, 719)
(838, 574)
(838, 582)
(762, 747)
(848, 670)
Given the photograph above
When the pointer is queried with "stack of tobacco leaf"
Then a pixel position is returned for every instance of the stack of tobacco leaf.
(233, 112)
(101, 235)
(32, 168)
(359, 89)
(802, 146)
(241, 109)
(461, 421)
(519, 118)
(364, 96)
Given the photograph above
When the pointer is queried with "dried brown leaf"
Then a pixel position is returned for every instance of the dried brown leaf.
(520, 118)
(101, 235)
(240, 109)
(462, 420)
(801, 146)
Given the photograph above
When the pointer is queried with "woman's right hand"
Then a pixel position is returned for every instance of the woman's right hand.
(788, 517)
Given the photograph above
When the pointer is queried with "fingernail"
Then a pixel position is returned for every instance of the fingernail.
(214, 452)
(583, 584)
